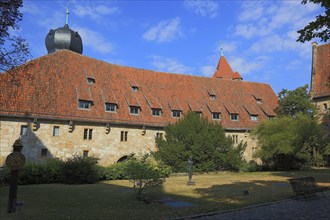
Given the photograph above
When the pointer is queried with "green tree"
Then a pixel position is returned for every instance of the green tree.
(295, 102)
(288, 142)
(14, 50)
(206, 142)
(319, 28)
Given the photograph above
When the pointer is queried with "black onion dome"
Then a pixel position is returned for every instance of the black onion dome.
(63, 38)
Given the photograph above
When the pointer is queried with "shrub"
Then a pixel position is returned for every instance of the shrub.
(113, 172)
(78, 170)
(144, 176)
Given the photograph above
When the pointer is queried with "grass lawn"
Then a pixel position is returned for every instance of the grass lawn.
(116, 199)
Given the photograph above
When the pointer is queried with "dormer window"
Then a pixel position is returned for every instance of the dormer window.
(83, 104)
(110, 107)
(234, 117)
(90, 80)
(135, 88)
(254, 117)
(156, 112)
(176, 114)
(215, 115)
(212, 97)
(259, 101)
(134, 110)
(198, 114)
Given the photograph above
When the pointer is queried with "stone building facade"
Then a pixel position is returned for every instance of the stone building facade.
(65, 103)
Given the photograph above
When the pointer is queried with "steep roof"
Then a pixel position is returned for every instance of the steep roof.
(322, 71)
(51, 86)
(223, 70)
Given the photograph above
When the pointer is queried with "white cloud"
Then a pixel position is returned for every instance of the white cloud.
(95, 40)
(95, 12)
(247, 66)
(202, 7)
(164, 31)
(171, 65)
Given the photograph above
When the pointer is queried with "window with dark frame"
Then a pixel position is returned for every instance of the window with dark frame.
(88, 134)
(176, 114)
(24, 129)
(254, 117)
(135, 88)
(254, 149)
(234, 117)
(134, 110)
(235, 138)
(325, 106)
(159, 135)
(85, 153)
(123, 135)
(156, 112)
(83, 104)
(56, 131)
(44, 152)
(215, 115)
(199, 114)
(212, 97)
(110, 107)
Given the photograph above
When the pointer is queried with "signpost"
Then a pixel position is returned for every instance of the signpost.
(15, 161)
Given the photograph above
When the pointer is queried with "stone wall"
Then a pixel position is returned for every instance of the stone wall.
(106, 145)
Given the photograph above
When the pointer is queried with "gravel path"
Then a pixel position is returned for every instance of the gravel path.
(313, 208)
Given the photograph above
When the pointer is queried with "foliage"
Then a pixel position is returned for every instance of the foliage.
(319, 28)
(287, 142)
(78, 170)
(113, 172)
(145, 177)
(204, 141)
(14, 50)
(36, 173)
(294, 102)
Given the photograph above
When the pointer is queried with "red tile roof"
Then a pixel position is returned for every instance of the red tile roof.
(58, 80)
(322, 71)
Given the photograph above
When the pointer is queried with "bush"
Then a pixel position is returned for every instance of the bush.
(144, 176)
(251, 166)
(78, 170)
(113, 172)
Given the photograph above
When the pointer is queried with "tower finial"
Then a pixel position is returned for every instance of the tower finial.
(67, 14)
(221, 49)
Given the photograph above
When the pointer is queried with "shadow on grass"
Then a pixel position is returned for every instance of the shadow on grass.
(116, 199)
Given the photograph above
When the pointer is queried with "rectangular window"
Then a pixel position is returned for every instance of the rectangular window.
(85, 104)
(159, 135)
(176, 114)
(259, 101)
(123, 135)
(134, 110)
(44, 152)
(212, 97)
(88, 134)
(56, 131)
(156, 111)
(110, 107)
(85, 153)
(234, 117)
(254, 117)
(216, 116)
(24, 129)
(325, 106)
(235, 138)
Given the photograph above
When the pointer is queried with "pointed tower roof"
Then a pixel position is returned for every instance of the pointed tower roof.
(237, 76)
(223, 70)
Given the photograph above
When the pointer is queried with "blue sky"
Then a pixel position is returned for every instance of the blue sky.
(258, 37)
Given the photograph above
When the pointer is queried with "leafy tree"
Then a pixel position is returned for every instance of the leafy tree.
(14, 50)
(288, 142)
(319, 28)
(205, 142)
(294, 102)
